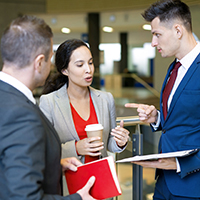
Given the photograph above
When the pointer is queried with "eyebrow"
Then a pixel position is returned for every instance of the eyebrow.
(82, 60)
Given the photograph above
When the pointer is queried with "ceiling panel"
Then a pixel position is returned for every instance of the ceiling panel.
(68, 6)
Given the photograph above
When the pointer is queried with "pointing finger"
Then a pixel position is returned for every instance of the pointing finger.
(132, 105)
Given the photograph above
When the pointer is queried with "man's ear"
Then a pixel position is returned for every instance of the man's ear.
(179, 30)
(38, 62)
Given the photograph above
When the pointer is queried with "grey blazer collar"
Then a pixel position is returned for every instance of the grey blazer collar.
(62, 101)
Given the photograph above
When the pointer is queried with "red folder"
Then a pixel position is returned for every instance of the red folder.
(106, 183)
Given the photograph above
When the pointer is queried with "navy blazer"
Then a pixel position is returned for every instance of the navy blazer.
(181, 131)
(30, 150)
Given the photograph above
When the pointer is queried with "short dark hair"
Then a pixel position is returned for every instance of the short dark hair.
(62, 59)
(168, 10)
(24, 39)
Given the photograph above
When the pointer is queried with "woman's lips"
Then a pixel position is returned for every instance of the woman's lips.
(88, 79)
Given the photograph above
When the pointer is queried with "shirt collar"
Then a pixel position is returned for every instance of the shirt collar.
(188, 59)
(18, 85)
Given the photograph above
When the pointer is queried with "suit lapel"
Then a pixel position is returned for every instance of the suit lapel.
(65, 110)
(182, 84)
(98, 104)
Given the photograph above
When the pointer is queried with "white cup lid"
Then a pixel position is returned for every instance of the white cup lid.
(93, 127)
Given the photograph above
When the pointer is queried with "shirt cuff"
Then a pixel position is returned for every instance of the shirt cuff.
(157, 124)
(178, 166)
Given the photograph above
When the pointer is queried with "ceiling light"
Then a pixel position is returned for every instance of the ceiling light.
(112, 18)
(53, 20)
(65, 30)
(146, 27)
(107, 29)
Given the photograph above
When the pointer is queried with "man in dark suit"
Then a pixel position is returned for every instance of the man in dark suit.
(179, 115)
(30, 151)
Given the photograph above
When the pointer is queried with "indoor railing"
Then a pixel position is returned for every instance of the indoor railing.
(136, 147)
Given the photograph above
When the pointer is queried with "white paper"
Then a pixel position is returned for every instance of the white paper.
(157, 156)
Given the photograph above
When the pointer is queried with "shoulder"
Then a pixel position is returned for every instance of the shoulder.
(62, 92)
(12, 99)
(100, 93)
(20, 113)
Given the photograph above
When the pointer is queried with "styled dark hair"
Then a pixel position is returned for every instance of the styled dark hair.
(62, 59)
(24, 39)
(168, 10)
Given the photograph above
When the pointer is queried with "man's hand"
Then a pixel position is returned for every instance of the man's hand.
(70, 163)
(163, 163)
(84, 192)
(147, 114)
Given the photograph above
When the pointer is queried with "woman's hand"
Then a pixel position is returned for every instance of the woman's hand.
(89, 146)
(121, 135)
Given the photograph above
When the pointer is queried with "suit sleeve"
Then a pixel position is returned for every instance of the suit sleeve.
(22, 155)
(189, 164)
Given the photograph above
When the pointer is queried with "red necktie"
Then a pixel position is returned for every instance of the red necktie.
(169, 87)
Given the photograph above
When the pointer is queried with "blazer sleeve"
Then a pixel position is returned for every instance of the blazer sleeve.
(46, 109)
(68, 147)
(23, 150)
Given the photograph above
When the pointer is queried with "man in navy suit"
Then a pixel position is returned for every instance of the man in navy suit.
(30, 150)
(178, 178)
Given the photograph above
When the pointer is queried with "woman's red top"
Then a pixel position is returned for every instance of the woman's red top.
(80, 125)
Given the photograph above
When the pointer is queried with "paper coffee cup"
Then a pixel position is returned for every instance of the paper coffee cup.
(94, 130)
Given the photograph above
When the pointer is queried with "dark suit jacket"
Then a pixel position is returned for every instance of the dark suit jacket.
(30, 150)
(181, 131)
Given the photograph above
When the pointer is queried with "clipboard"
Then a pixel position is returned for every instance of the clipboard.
(158, 156)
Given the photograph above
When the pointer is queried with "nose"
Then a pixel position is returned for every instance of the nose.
(88, 68)
(154, 42)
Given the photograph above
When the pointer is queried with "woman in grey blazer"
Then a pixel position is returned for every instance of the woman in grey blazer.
(71, 89)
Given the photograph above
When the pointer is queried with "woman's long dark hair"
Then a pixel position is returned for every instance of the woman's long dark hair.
(62, 59)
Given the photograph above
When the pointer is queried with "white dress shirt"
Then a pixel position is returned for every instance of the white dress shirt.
(18, 85)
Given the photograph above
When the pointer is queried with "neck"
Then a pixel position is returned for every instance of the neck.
(23, 75)
(78, 92)
(188, 43)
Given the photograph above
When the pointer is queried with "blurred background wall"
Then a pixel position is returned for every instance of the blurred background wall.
(124, 16)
